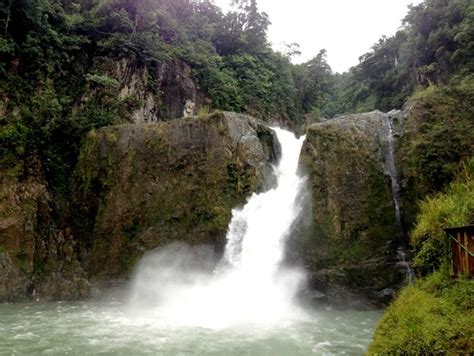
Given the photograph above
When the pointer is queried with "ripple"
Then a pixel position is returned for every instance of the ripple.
(92, 328)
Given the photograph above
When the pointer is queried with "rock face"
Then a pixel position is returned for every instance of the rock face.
(143, 186)
(165, 92)
(363, 189)
(136, 187)
(350, 242)
(36, 256)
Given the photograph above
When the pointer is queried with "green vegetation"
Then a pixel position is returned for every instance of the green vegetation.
(61, 77)
(58, 61)
(453, 208)
(436, 314)
(435, 47)
(436, 138)
(433, 316)
(58, 64)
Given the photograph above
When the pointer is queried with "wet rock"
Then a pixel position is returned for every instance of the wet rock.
(349, 246)
(143, 186)
(32, 247)
(13, 282)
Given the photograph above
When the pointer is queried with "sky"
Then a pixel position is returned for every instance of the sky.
(345, 28)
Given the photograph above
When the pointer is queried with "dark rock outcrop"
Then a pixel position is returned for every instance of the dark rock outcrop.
(162, 93)
(37, 257)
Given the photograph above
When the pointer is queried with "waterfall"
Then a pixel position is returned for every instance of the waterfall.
(402, 257)
(391, 170)
(249, 285)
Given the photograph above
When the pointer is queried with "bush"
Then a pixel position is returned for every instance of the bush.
(435, 315)
(453, 208)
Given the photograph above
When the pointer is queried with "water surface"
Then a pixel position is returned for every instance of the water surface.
(179, 304)
(109, 328)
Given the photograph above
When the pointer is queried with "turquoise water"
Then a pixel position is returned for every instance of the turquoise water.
(109, 329)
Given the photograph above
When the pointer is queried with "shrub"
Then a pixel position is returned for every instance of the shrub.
(435, 315)
(453, 208)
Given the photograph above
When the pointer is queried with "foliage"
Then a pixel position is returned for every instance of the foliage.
(315, 83)
(58, 50)
(453, 208)
(437, 137)
(61, 52)
(434, 47)
(433, 316)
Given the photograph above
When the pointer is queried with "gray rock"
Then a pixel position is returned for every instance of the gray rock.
(146, 185)
(354, 226)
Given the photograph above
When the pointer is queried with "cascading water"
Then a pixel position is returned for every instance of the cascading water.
(180, 303)
(402, 257)
(249, 285)
(391, 170)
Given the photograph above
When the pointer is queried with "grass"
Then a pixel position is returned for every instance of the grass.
(435, 315)
(452, 208)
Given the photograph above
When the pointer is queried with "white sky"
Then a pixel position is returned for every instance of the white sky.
(346, 28)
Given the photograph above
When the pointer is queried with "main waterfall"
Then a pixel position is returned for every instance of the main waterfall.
(249, 285)
(183, 301)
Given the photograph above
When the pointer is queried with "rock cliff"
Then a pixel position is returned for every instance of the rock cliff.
(366, 173)
(349, 246)
(37, 251)
(136, 187)
(165, 92)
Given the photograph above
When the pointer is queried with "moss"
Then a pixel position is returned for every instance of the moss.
(438, 135)
(434, 316)
(352, 200)
(22, 260)
(146, 189)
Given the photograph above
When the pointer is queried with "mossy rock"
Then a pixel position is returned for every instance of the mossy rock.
(436, 136)
(352, 213)
(138, 187)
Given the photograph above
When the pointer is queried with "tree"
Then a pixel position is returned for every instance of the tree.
(315, 83)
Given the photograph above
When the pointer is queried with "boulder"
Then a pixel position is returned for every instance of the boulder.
(350, 242)
(138, 187)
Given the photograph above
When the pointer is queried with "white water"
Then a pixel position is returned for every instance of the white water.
(402, 257)
(249, 286)
(181, 305)
(391, 169)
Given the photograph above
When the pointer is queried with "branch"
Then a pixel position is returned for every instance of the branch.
(8, 16)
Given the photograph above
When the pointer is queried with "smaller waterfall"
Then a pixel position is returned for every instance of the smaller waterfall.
(402, 258)
(391, 170)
